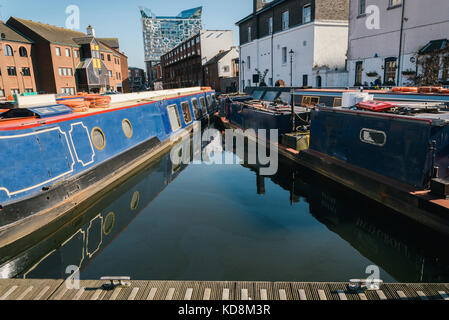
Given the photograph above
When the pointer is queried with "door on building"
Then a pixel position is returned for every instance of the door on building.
(318, 81)
(390, 71)
(358, 73)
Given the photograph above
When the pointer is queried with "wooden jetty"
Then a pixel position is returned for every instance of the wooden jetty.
(25, 289)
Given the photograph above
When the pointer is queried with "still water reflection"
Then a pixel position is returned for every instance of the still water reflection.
(224, 222)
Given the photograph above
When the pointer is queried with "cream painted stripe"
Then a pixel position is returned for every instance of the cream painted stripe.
(342, 295)
(61, 293)
(189, 293)
(41, 294)
(25, 293)
(282, 294)
(362, 296)
(152, 294)
(133, 294)
(96, 295)
(322, 295)
(207, 293)
(302, 294)
(115, 294)
(381, 295)
(7, 293)
(422, 295)
(170, 294)
(79, 294)
(263, 294)
(225, 294)
(402, 295)
(443, 295)
(244, 294)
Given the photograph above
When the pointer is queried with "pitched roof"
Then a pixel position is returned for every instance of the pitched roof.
(110, 42)
(217, 57)
(7, 33)
(435, 45)
(52, 33)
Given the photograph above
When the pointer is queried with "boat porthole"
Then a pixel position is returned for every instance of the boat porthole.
(108, 223)
(127, 128)
(98, 138)
(135, 200)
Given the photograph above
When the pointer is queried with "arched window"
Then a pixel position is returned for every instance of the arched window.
(23, 52)
(8, 51)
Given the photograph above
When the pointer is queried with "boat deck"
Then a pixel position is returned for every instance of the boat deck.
(19, 289)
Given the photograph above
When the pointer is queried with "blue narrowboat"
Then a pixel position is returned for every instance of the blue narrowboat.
(53, 152)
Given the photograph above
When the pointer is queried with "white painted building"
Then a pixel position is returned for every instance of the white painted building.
(376, 51)
(300, 43)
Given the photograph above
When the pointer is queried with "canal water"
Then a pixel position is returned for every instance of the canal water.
(225, 222)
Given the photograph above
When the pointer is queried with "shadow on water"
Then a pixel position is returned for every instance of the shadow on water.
(203, 222)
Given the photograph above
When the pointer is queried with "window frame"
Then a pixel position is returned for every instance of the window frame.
(189, 113)
(285, 20)
(178, 119)
(9, 52)
(307, 6)
(58, 51)
(12, 74)
(196, 109)
(23, 52)
(203, 105)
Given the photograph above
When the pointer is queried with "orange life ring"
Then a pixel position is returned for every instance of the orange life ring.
(97, 101)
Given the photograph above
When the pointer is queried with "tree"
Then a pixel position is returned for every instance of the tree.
(429, 66)
(262, 77)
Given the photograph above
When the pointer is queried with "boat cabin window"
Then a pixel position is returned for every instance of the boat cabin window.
(337, 102)
(271, 95)
(209, 102)
(308, 101)
(203, 105)
(196, 109)
(214, 100)
(257, 94)
(173, 116)
(186, 112)
(378, 138)
(286, 97)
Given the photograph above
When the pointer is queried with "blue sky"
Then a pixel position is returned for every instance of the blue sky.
(121, 19)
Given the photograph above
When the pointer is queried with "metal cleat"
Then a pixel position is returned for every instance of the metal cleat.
(116, 282)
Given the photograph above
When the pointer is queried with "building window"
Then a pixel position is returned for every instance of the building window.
(358, 73)
(362, 7)
(110, 73)
(65, 72)
(15, 91)
(23, 52)
(285, 22)
(2, 93)
(70, 91)
(248, 62)
(390, 71)
(77, 53)
(58, 51)
(270, 25)
(26, 72)
(394, 3)
(29, 90)
(102, 56)
(8, 51)
(226, 69)
(305, 80)
(67, 52)
(284, 55)
(12, 71)
(109, 57)
(307, 14)
(249, 34)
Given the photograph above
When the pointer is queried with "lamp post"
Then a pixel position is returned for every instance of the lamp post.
(243, 75)
(291, 53)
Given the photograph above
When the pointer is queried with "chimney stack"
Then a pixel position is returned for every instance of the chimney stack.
(90, 31)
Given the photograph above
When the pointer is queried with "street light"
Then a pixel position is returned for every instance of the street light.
(243, 75)
(291, 53)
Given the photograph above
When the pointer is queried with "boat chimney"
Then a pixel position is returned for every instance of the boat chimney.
(90, 31)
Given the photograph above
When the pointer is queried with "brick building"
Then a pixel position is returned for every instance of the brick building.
(137, 79)
(183, 66)
(67, 61)
(16, 67)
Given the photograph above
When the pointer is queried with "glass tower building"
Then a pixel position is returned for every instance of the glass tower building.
(162, 34)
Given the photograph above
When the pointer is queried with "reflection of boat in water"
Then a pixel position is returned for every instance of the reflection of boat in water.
(383, 236)
(81, 240)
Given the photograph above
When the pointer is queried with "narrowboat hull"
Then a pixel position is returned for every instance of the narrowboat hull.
(51, 164)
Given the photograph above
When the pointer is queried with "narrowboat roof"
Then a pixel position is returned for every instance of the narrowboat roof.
(135, 100)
